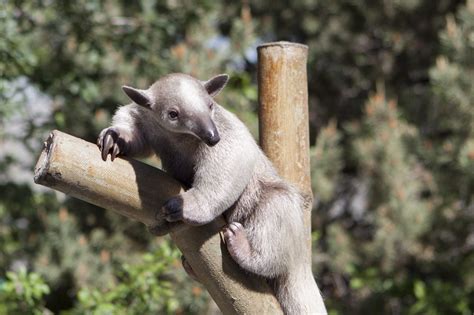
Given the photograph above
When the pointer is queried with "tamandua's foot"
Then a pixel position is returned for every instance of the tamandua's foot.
(189, 270)
(237, 242)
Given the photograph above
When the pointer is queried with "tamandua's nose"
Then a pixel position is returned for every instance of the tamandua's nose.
(208, 132)
(212, 137)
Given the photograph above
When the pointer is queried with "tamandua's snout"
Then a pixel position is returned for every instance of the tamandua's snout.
(210, 135)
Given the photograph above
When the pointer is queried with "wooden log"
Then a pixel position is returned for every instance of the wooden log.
(137, 190)
(283, 115)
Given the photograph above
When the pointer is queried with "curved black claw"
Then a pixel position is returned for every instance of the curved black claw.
(110, 142)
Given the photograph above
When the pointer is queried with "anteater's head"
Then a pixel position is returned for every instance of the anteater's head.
(183, 104)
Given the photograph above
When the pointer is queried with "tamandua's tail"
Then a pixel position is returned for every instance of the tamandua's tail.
(298, 293)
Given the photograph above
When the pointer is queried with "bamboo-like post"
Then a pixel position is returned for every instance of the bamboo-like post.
(283, 114)
(137, 190)
(284, 123)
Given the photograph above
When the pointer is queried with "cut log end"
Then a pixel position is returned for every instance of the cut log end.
(282, 44)
(41, 171)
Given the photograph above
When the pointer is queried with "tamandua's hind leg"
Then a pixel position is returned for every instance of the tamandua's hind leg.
(248, 257)
(269, 244)
(237, 245)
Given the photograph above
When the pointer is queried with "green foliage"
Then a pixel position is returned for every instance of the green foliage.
(326, 162)
(453, 115)
(401, 241)
(389, 231)
(150, 287)
(21, 219)
(437, 297)
(356, 44)
(393, 180)
(75, 56)
(22, 293)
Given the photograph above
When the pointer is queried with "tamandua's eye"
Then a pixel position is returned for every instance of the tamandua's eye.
(211, 105)
(173, 115)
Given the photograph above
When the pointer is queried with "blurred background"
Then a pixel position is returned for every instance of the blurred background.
(391, 119)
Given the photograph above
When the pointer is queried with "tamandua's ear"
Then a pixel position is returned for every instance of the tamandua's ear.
(214, 85)
(138, 96)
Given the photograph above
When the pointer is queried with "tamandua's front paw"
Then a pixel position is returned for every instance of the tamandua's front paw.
(173, 209)
(184, 207)
(110, 142)
(237, 242)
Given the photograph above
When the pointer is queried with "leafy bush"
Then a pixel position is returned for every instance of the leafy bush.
(23, 292)
(153, 286)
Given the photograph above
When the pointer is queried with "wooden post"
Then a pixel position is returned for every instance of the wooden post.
(137, 190)
(283, 113)
(284, 124)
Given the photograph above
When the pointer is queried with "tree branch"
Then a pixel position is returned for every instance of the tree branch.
(137, 190)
